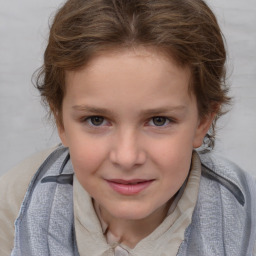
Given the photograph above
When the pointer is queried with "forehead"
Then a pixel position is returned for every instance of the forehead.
(113, 61)
(142, 75)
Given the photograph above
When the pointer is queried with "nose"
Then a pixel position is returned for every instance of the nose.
(127, 151)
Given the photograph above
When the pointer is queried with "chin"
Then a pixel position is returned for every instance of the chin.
(131, 213)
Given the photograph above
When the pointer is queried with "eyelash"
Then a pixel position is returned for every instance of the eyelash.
(90, 123)
(166, 120)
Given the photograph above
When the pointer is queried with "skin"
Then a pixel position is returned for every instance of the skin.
(110, 125)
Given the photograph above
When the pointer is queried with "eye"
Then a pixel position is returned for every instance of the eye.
(96, 120)
(159, 121)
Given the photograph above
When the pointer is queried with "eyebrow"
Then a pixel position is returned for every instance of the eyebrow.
(147, 112)
(162, 110)
(92, 109)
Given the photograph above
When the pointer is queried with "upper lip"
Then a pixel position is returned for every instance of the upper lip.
(132, 181)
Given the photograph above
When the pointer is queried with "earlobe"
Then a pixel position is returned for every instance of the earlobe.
(203, 127)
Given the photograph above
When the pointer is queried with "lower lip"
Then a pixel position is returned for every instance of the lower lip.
(129, 189)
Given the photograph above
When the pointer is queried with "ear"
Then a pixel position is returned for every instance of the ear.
(202, 128)
(60, 125)
(62, 134)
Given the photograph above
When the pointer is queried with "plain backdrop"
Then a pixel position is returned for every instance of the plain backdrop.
(24, 129)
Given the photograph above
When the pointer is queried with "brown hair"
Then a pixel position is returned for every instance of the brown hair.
(186, 30)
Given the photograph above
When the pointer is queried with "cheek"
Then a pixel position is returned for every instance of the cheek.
(173, 157)
(86, 157)
(87, 163)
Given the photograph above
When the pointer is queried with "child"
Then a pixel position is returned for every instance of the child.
(135, 87)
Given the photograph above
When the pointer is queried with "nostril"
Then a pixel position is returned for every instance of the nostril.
(127, 158)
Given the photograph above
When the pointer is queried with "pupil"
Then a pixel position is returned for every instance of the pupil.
(159, 121)
(97, 120)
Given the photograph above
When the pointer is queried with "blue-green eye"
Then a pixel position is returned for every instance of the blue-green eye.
(159, 121)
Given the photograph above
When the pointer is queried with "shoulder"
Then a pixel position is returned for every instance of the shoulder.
(226, 169)
(14, 183)
(227, 189)
(13, 186)
(240, 183)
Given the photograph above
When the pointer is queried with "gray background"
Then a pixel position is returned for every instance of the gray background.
(24, 129)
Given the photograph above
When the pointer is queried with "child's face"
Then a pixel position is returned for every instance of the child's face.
(131, 125)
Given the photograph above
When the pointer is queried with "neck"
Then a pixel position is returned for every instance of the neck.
(130, 232)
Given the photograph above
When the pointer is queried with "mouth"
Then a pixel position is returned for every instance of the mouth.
(129, 187)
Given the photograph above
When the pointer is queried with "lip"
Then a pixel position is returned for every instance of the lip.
(129, 187)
